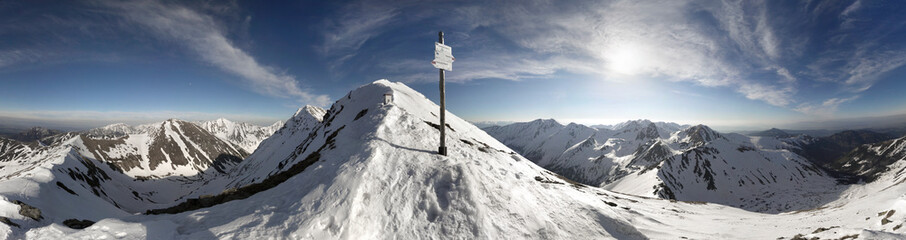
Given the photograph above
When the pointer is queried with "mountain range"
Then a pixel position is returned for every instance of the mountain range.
(33, 134)
(672, 161)
(368, 169)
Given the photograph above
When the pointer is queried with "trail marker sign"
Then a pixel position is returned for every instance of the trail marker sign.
(443, 57)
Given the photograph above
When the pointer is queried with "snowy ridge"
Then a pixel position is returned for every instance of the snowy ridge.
(376, 177)
(372, 174)
(664, 160)
(266, 161)
(11, 150)
(173, 147)
(114, 170)
(872, 161)
(244, 135)
(117, 130)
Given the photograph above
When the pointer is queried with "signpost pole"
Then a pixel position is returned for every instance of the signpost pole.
(442, 150)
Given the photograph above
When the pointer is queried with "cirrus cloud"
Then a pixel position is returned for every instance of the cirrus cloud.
(763, 51)
(201, 34)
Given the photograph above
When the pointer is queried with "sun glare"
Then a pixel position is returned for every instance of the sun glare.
(624, 60)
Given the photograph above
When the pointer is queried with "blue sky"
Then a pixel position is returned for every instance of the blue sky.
(728, 64)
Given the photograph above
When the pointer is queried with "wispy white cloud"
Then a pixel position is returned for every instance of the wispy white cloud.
(355, 27)
(859, 52)
(864, 69)
(749, 47)
(17, 56)
(691, 94)
(346, 33)
(847, 14)
(201, 34)
(777, 96)
(653, 38)
(855, 6)
(826, 108)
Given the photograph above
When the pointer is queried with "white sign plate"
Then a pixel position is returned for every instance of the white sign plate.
(443, 57)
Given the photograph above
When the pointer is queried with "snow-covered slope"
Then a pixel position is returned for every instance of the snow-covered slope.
(870, 161)
(245, 135)
(667, 160)
(589, 155)
(271, 156)
(173, 147)
(12, 150)
(752, 173)
(369, 171)
(372, 174)
(112, 171)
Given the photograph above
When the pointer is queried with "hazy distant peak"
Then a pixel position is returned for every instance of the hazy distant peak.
(773, 132)
(116, 125)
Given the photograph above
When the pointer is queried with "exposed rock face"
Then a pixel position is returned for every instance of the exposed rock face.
(173, 147)
(867, 162)
(825, 150)
(700, 134)
(12, 149)
(174, 138)
(651, 154)
(9, 222)
(649, 132)
(692, 163)
(29, 211)
(78, 224)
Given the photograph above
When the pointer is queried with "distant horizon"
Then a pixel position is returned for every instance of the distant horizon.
(878, 122)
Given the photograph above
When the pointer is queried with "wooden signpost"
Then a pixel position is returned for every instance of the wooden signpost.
(443, 60)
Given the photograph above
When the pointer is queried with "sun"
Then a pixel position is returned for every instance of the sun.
(624, 60)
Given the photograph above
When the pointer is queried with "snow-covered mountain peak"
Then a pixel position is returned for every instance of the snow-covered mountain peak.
(370, 170)
(223, 122)
(368, 153)
(698, 135)
(639, 130)
(549, 121)
(574, 125)
(680, 162)
(664, 129)
(650, 131)
(111, 128)
(245, 135)
(306, 116)
(118, 130)
(116, 126)
(632, 124)
(310, 111)
(172, 121)
(218, 125)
